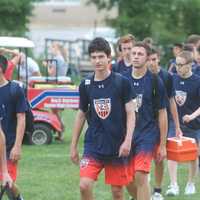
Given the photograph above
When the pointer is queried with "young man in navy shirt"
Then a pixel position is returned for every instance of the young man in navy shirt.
(12, 112)
(187, 95)
(149, 117)
(125, 46)
(106, 101)
(173, 126)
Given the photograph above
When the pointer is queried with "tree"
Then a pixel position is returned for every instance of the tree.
(166, 21)
(14, 16)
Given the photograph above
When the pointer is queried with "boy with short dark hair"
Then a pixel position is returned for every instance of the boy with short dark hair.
(106, 101)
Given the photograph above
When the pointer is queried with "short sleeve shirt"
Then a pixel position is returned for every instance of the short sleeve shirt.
(9, 107)
(146, 130)
(105, 101)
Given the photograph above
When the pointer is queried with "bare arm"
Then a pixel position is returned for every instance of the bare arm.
(174, 112)
(78, 126)
(130, 125)
(6, 178)
(3, 152)
(163, 127)
(188, 118)
(15, 55)
(15, 154)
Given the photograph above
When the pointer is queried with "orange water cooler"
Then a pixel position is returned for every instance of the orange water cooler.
(181, 149)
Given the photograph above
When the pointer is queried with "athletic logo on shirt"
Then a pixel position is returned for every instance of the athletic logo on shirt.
(180, 97)
(102, 107)
(84, 162)
(138, 101)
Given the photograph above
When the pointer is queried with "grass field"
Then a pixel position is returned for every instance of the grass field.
(46, 173)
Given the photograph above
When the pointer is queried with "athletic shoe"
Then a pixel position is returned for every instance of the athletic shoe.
(19, 198)
(157, 196)
(190, 189)
(173, 190)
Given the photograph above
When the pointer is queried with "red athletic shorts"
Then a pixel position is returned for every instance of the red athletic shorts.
(12, 170)
(114, 174)
(141, 162)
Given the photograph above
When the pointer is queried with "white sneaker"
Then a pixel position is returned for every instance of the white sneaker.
(157, 196)
(173, 190)
(190, 189)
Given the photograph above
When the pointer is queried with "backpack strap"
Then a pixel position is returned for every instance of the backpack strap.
(155, 95)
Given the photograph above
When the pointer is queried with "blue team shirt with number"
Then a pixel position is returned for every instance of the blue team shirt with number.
(9, 107)
(187, 97)
(107, 124)
(146, 130)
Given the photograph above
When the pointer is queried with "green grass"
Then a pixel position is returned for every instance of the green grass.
(46, 173)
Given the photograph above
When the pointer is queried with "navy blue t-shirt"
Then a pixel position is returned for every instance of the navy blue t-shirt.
(196, 70)
(146, 130)
(9, 107)
(121, 67)
(187, 96)
(107, 125)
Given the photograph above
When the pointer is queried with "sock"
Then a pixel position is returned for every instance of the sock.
(158, 190)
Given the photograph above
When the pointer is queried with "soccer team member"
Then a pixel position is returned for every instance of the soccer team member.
(5, 177)
(106, 100)
(177, 48)
(12, 123)
(173, 126)
(125, 46)
(187, 95)
(148, 118)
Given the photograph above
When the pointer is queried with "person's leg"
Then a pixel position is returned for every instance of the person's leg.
(86, 186)
(173, 188)
(117, 192)
(14, 193)
(57, 112)
(89, 171)
(158, 172)
(118, 173)
(172, 168)
(142, 185)
(132, 189)
(140, 188)
(192, 169)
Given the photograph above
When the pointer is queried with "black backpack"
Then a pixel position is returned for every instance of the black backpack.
(28, 113)
(155, 95)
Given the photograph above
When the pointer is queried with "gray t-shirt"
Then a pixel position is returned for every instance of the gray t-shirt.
(61, 66)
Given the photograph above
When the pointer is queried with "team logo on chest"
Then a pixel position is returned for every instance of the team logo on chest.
(180, 97)
(102, 107)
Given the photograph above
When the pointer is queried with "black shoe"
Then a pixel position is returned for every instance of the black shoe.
(19, 198)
